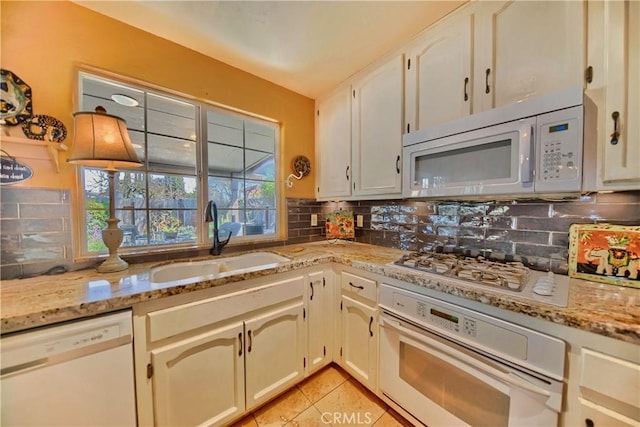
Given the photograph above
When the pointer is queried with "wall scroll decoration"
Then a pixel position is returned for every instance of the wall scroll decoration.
(44, 128)
(301, 167)
(15, 105)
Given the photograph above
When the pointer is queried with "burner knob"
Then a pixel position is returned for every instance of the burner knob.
(544, 285)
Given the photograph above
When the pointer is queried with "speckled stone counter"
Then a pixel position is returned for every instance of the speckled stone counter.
(602, 309)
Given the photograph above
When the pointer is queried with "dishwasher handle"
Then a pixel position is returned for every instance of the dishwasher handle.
(75, 353)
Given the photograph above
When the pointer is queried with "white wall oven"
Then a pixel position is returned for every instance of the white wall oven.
(450, 366)
(534, 146)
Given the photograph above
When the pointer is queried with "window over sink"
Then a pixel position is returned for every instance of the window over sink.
(192, 152)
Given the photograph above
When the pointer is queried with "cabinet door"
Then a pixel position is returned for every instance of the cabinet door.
(614, 57)
(200, 380)
(333, 144)
(527, 48)
(622, 153)
(319, 321)
(274, 352)
(359, 340)
(377, 129)
(439, 74)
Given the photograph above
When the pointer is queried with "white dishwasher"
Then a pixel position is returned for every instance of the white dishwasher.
(74, 374)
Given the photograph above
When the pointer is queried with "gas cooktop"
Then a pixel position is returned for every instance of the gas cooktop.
(509, 277)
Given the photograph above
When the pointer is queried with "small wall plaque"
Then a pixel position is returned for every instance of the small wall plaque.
(13, 171)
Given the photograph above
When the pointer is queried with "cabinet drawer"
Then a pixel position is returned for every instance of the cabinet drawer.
(602, 417)
(366, 288)
(611, 383)
(172, 321)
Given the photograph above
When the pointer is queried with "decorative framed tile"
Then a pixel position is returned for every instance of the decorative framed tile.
(605, 253)
(340, 225)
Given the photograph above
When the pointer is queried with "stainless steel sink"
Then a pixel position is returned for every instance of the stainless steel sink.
(213, 268)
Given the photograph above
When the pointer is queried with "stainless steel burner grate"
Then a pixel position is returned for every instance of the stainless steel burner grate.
(510, 275)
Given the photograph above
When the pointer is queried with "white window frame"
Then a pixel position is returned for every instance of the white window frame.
(203, 240)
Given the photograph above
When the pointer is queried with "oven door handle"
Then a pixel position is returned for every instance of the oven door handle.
(502, 375)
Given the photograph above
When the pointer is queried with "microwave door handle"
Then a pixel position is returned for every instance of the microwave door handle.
(527, 157)
(502, 375)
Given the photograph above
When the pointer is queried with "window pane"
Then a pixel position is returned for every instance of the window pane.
(260, 194)
(131, 190)
(171, 117)
(225, 159)
(259, 137)
(165, 152)
(173, 226)
(241, 165)
(97, 92)
(96, 189)
(133, 224)
(224, 191)
(96, 221)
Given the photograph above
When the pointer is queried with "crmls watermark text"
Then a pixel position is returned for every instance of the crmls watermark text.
(337, 418)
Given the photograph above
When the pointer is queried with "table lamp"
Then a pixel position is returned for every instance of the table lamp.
(102, 141)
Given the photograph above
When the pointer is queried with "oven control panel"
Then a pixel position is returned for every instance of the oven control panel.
(461, 323)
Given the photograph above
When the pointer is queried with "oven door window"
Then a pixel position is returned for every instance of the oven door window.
(458, 391)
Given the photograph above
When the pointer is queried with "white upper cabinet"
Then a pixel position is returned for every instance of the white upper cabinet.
(614, 89)
(489, 54)
(333, 144)
(439, 75)
(526, 49)
(359, 130)
(377, 129)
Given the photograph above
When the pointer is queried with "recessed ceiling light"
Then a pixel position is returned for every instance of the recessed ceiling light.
(125, 100)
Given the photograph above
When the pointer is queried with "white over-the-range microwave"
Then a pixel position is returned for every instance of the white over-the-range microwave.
(533, 147)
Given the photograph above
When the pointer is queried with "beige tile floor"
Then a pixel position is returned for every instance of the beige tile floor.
(328, 398)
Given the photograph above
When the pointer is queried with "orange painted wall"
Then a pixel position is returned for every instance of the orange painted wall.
(42, 42)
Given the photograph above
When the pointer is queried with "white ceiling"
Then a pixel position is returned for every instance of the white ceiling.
(306, 46)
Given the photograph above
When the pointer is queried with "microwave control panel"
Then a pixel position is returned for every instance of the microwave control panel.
(559, 153)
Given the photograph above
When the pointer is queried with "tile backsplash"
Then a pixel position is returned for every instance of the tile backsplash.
(35, 226)
(536, 230)
(35, 230)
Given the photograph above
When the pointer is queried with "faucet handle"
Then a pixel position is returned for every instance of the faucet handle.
(223, 243)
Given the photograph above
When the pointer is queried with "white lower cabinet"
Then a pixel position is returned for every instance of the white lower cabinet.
(200, 380)
(274, 353)
(320, 320)
(205, 360)
(359, 329)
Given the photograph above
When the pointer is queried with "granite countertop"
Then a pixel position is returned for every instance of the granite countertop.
(607, 310)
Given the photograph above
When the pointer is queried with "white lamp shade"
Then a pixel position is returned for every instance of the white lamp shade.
(102, 141)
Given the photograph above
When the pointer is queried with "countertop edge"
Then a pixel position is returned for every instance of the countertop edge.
(576, 315)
